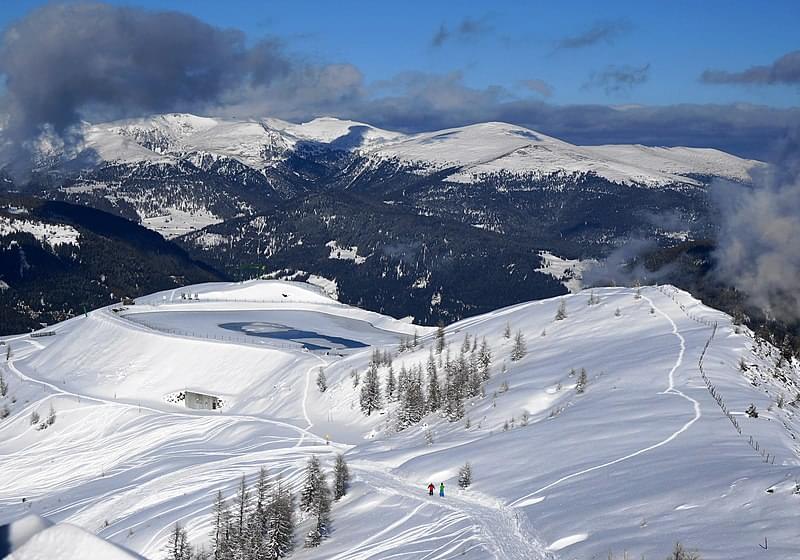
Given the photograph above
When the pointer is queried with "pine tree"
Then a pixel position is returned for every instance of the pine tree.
(321, 512)
(322, 381)
(561, 314)
(177, 547)
(439, 339)
(412, 405)
(465, 346)
(240, 519)
(403, 380)
(341, 477)
(465, 476)
(485, 360)
(221, 534)
(433, 401)
(371, 392)
(279, 534)
(51, 416)
(3, 385)
(313, 480)
(474, 374)
(680, 553)
(507, 331)
(580, 386)
(519, 350)
(415, 340)
(454, 405)
(257, 522)
(391, 385)
(356, 377)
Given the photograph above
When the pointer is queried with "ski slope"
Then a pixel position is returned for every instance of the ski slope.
(644, 457)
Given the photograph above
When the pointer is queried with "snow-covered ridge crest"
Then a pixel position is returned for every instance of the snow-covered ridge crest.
(476, 151)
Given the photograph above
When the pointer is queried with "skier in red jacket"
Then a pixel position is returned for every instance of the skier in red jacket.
(431, 488)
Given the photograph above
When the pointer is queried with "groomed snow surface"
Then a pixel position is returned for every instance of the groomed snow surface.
(644, 457)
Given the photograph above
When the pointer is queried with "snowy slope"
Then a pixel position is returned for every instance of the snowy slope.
(35, 538)
(473, 151)
(49, 234)
(644, 457)
(490, 148)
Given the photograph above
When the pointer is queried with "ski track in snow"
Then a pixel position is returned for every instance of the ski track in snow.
(503, 535)
(671, 390)
(468, 521)
(492, 527)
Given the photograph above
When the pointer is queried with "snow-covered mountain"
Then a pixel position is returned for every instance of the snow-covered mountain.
(473, 151)
(650, 446)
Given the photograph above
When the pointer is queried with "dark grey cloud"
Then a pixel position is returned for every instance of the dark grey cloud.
(65, 60)
(757, 246)
(600, 32)
(618, 79)
(467, 29)
(785, 70)
(538, 86)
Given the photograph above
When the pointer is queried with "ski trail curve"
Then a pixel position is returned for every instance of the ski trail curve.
(492, 526)
(670, 390)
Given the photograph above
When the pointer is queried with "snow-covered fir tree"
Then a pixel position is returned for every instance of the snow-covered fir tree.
(341, 477)
(465, 475)
(371, 391)
(403, 379)
(279, 529)
(439, 339)
(453, 404)
(315, 501)
(519, 349)
(561, 313)
(412, 401)
(257, 522)
(391, 385)
(177, 547)
(580, 386)
(313, 480)
(221, 535)
(241, 516)
(322, 381)
(485, 360)
(434, 400)
(466, 344)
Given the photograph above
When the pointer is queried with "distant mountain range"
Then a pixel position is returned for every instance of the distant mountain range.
(405, 224)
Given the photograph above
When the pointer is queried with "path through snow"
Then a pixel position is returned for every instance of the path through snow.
(670, 390)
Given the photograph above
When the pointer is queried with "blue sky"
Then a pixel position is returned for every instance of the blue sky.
(516, 41)
(566, 69)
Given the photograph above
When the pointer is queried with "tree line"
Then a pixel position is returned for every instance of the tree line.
(260, 522)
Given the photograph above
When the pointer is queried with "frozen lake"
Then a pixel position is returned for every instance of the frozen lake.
(307, 329)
